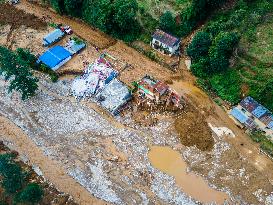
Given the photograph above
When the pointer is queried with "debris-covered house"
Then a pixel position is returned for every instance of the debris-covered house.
(95, 77)
(55, 57)
(252, 115)
(165, 42)
(155, 91)
(53, 37)
(74, 47)
(114, 96)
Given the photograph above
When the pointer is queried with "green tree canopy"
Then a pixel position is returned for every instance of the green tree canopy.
(73, 7)
(167, 22)
(32, 194)
(16, 66)
(199, 46)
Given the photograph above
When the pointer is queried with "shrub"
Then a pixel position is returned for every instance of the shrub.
(199, 46)
(32, 193)
(167, 22)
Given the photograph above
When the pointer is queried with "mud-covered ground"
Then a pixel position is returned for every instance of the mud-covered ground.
(50, 194)
(109, 156)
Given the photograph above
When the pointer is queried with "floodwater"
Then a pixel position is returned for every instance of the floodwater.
(170, 162)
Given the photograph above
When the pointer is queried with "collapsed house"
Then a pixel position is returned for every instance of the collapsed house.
(165, 43)
(114, 96)
(253, 116)
(156, 92)
(55, 57)
(95, 77)
(53, 37)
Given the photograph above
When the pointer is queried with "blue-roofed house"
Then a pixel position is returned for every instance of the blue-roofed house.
(253, 115)
(53, 37)
(55, 57)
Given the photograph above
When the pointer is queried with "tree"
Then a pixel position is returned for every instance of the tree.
(98, 13)
(199, 45)
(167, 22)
(201, 67)
(124, 18)
(73, 7)
(16, 68)
(7, 62)
(13, 177)
(58, 5)
(32, 194)
(221, 51)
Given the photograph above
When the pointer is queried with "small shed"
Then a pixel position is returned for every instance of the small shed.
(165, 43)
(53, 37)
(55, 57)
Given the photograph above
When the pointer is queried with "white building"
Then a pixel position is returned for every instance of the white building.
(165, 42)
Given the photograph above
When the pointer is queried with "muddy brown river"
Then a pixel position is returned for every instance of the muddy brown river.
(170, 162)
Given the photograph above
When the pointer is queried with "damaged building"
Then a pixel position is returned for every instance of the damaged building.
(95, 77)
(155, 91)
(114, 96)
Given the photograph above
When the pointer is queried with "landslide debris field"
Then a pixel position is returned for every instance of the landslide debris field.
(109, 156)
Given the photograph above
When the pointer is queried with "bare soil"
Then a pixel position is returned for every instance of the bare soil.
(194, 130)
(16, 18)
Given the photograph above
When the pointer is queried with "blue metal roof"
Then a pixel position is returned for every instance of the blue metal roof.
(54, 56)
(239, 115)
(259, 111)
(53, 36)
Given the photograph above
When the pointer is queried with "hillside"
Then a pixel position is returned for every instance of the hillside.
(249, 68)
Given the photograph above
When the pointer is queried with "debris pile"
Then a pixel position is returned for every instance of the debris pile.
(95, 77)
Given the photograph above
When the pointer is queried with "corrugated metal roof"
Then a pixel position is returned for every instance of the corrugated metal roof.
(165, 38)
(239, 115)
(54, 56)
(259, 111)
(53, 36)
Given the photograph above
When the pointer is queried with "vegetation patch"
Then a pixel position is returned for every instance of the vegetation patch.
(234, 68)
(265, 144)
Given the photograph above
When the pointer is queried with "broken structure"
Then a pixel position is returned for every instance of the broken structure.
(157, 92)
(95, 77)
(114, 96)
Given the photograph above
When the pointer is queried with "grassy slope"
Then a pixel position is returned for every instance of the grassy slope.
(151, 10)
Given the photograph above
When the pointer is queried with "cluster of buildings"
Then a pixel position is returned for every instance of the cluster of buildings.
(57, 56)
(252, 115)
(99, 81)
(155, 92)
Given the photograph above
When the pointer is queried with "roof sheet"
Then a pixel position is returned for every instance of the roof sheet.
(165, 38)
(239, 115)
(73, 47)
(54, 56)
(249, 104)
(259, 111)
(53, 36)
(115, 95)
